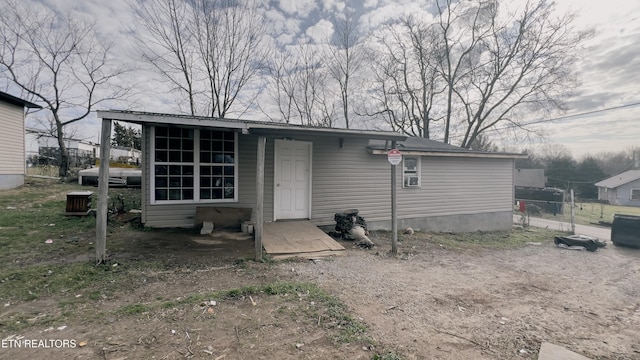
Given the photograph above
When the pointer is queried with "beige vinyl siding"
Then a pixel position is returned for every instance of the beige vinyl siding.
(12, 161)
(182, 215)
(347, 176)
(351, 178)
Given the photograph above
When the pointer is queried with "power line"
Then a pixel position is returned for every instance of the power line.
(541, 121)
(581, 114)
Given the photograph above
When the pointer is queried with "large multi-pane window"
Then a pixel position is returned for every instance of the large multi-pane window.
(191, 165)
(217, 164)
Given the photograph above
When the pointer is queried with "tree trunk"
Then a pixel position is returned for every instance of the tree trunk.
(63, 168)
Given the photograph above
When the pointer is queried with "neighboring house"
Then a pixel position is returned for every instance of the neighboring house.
(530, 189)
(12, 146)
(125, 154)
(42, 147)
(621, 189)
(312, 173)
(529, 178)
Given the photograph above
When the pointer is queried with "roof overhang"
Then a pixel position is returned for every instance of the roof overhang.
(168, 119)
(453, 154)
(17, 101)
(246, 126)
(327, 132)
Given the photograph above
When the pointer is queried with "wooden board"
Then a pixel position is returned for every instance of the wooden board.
(293, 237)
(549, 351)
(310, 256)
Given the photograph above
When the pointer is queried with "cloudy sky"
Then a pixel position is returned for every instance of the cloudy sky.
(609, 69)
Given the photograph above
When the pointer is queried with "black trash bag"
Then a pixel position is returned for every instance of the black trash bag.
(588, 242)
(346, 220)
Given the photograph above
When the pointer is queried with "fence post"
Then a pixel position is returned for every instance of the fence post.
(573, 214)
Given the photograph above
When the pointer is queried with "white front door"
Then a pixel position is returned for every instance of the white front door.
(292, 194)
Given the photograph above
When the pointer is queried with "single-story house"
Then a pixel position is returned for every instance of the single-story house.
(621, 189)
(312, 173)
(12, 143)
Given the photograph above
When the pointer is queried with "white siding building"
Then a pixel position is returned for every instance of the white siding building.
(312, 173)
(12, 143)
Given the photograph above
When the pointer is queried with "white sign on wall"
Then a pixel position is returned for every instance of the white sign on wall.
(394, 156)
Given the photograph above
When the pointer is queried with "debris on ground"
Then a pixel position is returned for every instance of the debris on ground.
(578, 242)
(352, 227)
(346, 220)
(360, 237)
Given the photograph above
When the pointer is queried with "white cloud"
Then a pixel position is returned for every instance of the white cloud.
(393, 11)
(320, 32)
(298, 7)
(370, 3)
(331, 5)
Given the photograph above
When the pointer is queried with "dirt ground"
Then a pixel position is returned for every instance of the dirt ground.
(430, 302)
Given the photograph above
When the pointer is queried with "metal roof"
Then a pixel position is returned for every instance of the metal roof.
(423, 146)
(620, 179)
(249, 126)
(17, 101)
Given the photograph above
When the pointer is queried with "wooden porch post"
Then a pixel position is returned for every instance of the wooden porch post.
(394, 216)
(259, 197)
(103, 192)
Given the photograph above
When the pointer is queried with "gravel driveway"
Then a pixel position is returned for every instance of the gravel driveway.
(432, 302)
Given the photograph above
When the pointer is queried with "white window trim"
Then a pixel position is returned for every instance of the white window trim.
(196, 173)
(631, 194)
(418, 172)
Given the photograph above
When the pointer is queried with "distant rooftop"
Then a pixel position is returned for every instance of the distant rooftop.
(620, 179)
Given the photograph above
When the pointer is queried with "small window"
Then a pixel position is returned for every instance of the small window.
(411, 171)
(635, 194)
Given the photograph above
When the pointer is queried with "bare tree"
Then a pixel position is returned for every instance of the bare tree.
(58, 62)
(346, 57)
(407, 76)
(167, 44)
(522, 64)
(613, 163)
(299, 82)
(476, 68)
(460, 29)
(283, 89)
(208, 49)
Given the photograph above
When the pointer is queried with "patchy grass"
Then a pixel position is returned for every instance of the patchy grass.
(61, 280)
(34, 229)
(473, 240)
(591, 213)
(303, 302)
